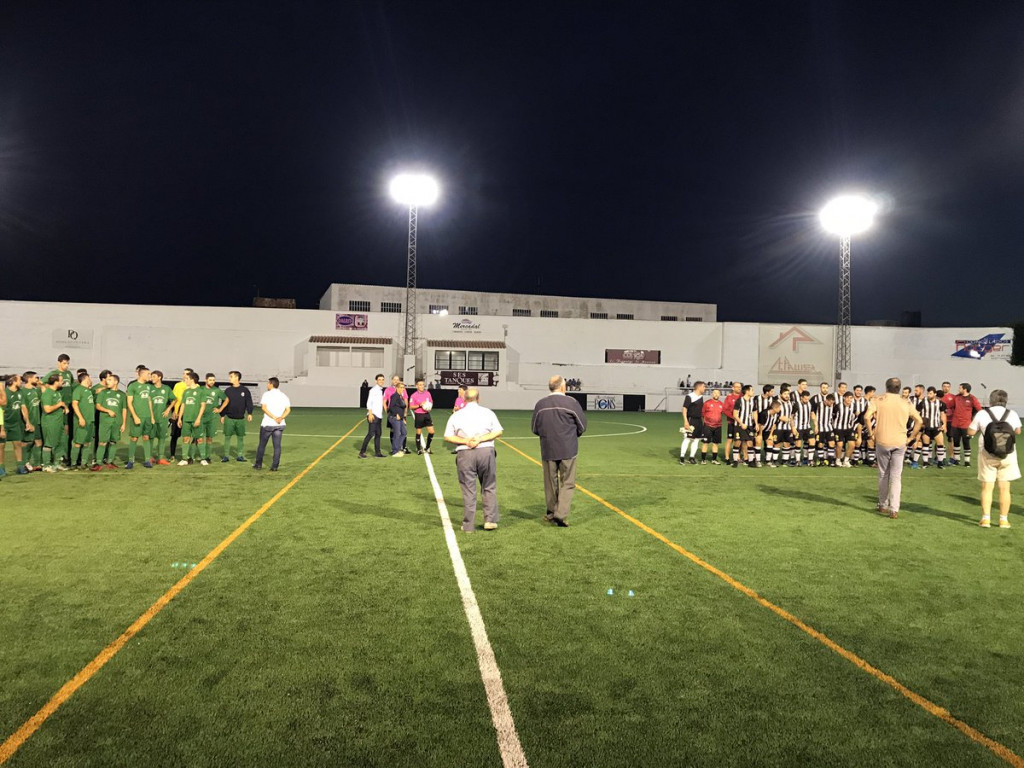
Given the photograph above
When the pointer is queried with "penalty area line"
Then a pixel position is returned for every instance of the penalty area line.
(1000, 750)
(66, 691)
(512, 755)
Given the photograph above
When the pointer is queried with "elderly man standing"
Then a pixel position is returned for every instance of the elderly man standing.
(892, 413)
(559, 421)
(473, 430)
(997, 455)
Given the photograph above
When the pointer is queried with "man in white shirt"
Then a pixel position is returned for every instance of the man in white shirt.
(374, 417)
(992, 468)
(473, 430)
(276, 407)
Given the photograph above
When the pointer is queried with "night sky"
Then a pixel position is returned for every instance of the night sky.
(199, 152)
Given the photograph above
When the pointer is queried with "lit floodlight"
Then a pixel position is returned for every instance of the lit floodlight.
(414, 189)
(848, 215)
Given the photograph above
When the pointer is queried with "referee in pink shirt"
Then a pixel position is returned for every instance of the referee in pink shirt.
(421, 403)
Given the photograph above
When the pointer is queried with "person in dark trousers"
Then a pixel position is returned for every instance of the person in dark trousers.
(397, 410)
(559, 421)
(275, 406)
(374, 417)
(235, 411)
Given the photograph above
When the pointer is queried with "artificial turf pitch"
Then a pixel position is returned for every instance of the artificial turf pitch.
(331, 631)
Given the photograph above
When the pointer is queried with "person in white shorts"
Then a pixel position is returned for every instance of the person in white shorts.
(992, 469)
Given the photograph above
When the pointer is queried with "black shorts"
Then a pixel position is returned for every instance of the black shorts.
(845, 435)
(784, 436)
(423, 420)
(713, 434)
(731, 430)
(805, 436)
(826, 437)
(932, 432)
(696, 429)
(744, 435)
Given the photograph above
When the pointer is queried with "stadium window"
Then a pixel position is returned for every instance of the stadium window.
(391, 306)
(482, 361)
(598, 315)
(670, 318)
(450, 360)
(623, 316)
(333, 357)
(367, 357)
(695, 319)
(467, 310)
(549, 313)
(437, 309)
(359, 306)
(522, 312)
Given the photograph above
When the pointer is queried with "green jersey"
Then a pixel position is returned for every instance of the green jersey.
(213, 397)
(68, 389)
(140, 392)
(110, 399)
(51, 397)
(161, 397)
(86, 402)
(31, 400)
(191, 402)
(12, 411)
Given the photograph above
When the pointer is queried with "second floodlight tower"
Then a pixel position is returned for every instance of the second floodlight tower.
(412, 190)
(846, 215)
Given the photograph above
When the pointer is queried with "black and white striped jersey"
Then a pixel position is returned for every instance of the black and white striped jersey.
(931, 412)
(785, 414)
(826, 416)
(768, 420)
(846, 416)
(744, 412)
(802, 415)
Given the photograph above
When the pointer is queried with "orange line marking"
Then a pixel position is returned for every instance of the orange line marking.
(927, 705)
(66, 691)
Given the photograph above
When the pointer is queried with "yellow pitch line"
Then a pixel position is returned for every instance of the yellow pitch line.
(66, 691)
(1000, 750)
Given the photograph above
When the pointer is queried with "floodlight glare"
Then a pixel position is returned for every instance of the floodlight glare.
(414, 189)
(848, 215)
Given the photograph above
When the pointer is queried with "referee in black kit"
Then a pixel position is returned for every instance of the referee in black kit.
(236, 412)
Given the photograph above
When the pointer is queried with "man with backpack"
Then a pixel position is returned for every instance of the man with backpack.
(997, 455)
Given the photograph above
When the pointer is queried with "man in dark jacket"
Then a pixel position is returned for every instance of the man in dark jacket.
(559, 421)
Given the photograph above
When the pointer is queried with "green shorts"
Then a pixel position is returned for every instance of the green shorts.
(234, 427)
(109, 431)
(53, 433)
(84, 435)
(30, 437)
(15, 431)
(161, 429)
(210, 427)
(143, 429)
(190, 432)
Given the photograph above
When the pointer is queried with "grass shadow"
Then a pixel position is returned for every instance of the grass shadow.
(793, 493)
(924, 509)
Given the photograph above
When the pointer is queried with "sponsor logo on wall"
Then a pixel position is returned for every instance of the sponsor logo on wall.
(633, 356)
(349, 322)
(604, 402)
(789, 352)
(72, 338)
(466, 325)
(468, 378)
(994, 346)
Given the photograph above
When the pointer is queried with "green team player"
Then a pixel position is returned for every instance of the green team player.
(190, 419)
(54, 417)
(213, 397)
(67, 389)
(163, 401)
(31, 418)
(140, 412)
(83, 406)
(108, 404)
(12, 423)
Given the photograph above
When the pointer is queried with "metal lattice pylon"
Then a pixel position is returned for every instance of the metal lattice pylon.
(409, 347)
(843, 330)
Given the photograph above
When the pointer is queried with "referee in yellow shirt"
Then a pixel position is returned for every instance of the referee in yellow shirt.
(178, 391)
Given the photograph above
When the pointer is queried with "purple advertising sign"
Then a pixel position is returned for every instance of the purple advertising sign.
(634, 356)
(350, 322)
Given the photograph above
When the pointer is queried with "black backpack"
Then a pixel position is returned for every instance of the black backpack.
(999, 436)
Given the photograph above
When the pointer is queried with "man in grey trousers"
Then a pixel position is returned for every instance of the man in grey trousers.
(559, 421)
(473, 429)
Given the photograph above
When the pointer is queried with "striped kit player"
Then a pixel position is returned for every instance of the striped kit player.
(933, 414)
(846, 430)
(825, 416)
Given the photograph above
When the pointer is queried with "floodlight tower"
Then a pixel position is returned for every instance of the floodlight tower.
(412, 190)
(846, 215)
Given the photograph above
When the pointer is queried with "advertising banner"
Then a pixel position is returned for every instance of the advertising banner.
(350, 322)
(787, 353)
(992, 346)
(634, 356)
(468, 378)
(72, 338)
(604, 402)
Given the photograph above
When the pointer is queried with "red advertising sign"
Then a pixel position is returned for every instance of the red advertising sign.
(634, 356)
(468, 378)
(351, 322)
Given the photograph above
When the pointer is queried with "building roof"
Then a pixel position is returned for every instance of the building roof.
(350, 340)
(465, 344)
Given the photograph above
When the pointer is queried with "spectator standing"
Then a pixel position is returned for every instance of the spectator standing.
(374, 417)
(275, 406)
(397, 409)
(997, 456)
(473, 430)
(559, 421)
(891, 413)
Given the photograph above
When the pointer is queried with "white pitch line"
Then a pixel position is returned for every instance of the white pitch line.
(512, 755)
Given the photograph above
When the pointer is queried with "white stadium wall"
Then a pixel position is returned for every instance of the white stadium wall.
(289, 344)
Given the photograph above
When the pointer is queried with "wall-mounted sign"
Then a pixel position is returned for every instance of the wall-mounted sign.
(635, 356)
(468, 378)
(349, 322)
(72, 338)
(466, 325)
(604, 402)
